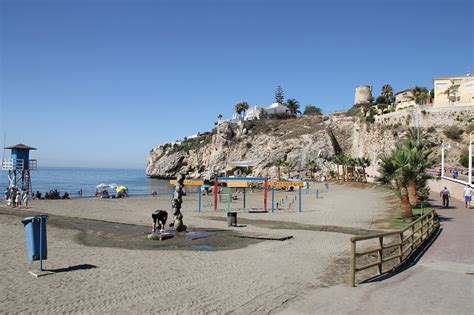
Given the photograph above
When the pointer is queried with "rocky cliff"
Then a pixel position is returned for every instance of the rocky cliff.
(300, 139)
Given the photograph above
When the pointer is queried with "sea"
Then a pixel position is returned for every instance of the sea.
(73, 179)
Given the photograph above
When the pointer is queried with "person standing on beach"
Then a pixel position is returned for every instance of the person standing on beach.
(18, 199)
(468, 195)
(25, 198)
(445, 194)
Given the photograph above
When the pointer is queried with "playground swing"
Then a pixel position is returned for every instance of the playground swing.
(286, 199)
(235, 186)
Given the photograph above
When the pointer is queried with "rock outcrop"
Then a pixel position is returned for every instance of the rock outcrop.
(299, 139)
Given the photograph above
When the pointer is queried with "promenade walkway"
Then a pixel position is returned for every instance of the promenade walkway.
(439, 281)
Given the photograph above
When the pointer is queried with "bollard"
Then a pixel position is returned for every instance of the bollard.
(317, 193)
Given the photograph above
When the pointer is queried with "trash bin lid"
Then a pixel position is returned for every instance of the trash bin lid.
(25, 221)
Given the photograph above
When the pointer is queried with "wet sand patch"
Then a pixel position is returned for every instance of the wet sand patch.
(128, 236)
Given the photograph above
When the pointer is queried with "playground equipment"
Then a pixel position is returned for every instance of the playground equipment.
(286, 202)
(241, 183)
(289, 200)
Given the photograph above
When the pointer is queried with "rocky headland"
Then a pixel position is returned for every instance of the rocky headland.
(308, 137)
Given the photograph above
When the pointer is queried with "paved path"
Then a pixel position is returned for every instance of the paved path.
(441, 281)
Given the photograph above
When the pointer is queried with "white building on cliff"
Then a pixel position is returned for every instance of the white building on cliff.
(255, 112)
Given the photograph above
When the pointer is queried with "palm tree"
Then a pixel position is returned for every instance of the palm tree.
(289, 165)
(417, 163)
(387, 91)
(346, 162)
(241, 107)
(337, 159)
(421, 95)
(293, 106)
(406, 166)
(363, 163)
(389, 173)
(311, 165)
(279, 163)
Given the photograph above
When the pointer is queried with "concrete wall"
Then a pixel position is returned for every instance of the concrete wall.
(455, 187)
(428, 116)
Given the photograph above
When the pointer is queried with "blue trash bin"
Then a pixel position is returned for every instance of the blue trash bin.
(35, 235)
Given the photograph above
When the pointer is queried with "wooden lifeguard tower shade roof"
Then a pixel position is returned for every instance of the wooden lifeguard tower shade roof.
(20, 146)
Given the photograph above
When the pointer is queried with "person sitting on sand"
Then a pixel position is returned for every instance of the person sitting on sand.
(160, 217)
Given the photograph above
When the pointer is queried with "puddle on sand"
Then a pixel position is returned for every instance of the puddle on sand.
(203, 247)
(128, 236)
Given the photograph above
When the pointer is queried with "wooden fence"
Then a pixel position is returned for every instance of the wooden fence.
(390, 246)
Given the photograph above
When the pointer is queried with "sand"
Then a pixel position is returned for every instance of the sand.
(97, 271)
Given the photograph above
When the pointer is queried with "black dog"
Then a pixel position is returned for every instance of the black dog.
(159, 216)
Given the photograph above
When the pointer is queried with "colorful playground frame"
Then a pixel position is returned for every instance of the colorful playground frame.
(241, 182)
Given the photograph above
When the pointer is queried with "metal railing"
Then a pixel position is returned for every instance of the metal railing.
(402, 244)
(18, 164)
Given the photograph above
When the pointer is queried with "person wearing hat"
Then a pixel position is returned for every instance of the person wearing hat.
(445, 194)
(468, 195)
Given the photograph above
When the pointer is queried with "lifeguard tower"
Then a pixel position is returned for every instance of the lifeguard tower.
(19, 166)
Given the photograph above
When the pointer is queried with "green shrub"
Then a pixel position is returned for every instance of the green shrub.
(453, 132)
(431, 129)
(470, 128)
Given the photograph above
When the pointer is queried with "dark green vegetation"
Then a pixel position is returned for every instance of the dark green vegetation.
(405, 169)
(311, 110)
(353, 169)
(453, 132)
(189, 144)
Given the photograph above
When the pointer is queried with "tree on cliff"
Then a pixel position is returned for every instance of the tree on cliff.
(279, 95)
(311, 110)
(421, 95)
(293, 106)
(241, 108)
(387, 92)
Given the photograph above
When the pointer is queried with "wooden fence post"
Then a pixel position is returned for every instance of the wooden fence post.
(352, 268)
(380, 255)
(400, 247)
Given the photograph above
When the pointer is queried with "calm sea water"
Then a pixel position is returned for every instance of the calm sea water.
(73, 179)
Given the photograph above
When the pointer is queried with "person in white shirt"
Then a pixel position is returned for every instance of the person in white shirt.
(468, 195)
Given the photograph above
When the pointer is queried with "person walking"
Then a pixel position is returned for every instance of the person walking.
(445, 194)
(468, 195)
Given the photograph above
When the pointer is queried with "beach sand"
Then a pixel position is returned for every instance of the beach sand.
(102, 261)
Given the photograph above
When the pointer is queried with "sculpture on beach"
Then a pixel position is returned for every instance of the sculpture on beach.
(179, 192)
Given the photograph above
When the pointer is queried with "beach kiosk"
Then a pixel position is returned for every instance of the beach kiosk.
(19, 166)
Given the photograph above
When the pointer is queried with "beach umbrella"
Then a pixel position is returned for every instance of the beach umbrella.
(120, 188)
(101, 187)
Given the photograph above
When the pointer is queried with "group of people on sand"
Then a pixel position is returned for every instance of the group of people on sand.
(16, 198)
(52, 194)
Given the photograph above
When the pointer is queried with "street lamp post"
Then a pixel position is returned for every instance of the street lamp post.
(469, 166)
(443, 146)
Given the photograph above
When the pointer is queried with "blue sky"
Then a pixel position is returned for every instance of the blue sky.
(100, 83)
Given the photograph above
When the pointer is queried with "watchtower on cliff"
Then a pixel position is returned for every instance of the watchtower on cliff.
(19, 166)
